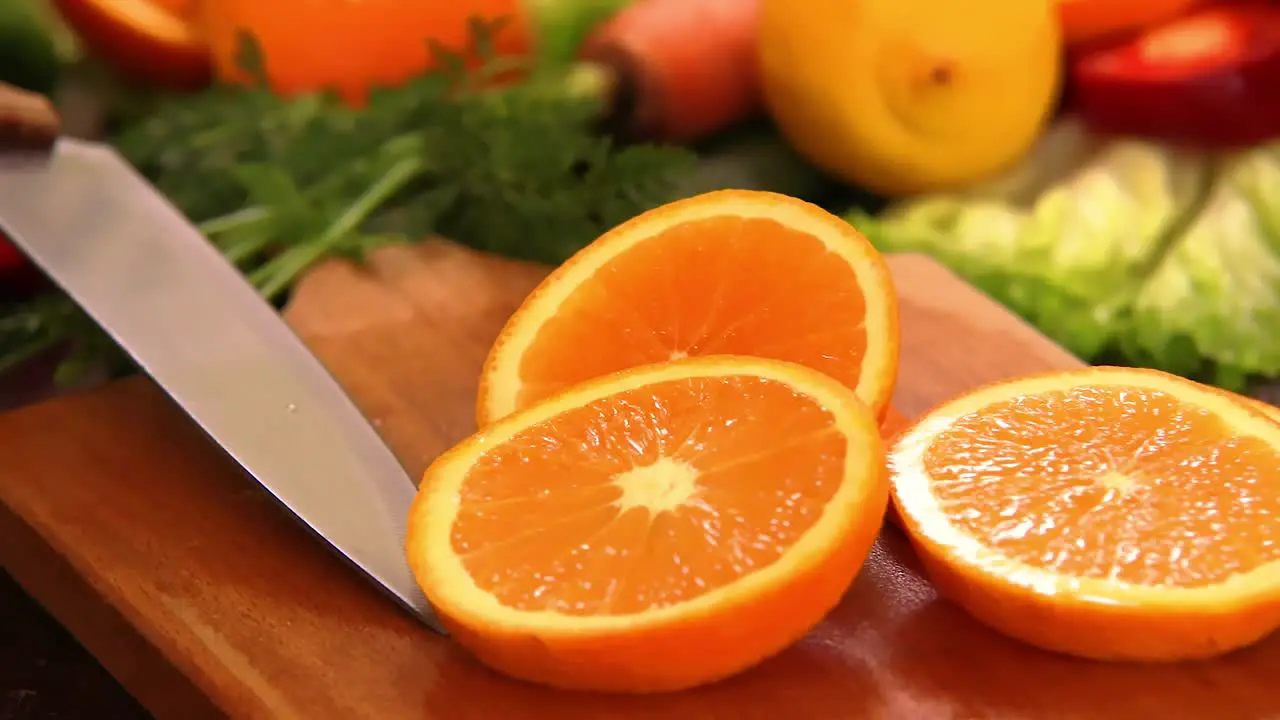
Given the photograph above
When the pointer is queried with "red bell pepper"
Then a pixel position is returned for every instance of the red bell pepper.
(1211, 78)
(1086, 21)
(11, 258)
(153, 41)
(18, 277)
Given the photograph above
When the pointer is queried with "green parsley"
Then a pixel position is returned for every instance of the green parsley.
(277, 185)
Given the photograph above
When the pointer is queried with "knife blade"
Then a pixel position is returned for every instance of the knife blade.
(194, 324)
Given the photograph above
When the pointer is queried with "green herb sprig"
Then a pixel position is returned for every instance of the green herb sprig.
(278, 185)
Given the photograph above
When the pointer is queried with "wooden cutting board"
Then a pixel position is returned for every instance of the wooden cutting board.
(204, 599)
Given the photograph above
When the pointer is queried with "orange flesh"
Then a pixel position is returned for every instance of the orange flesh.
(722, 285)
(1122, 483)
(764, 462)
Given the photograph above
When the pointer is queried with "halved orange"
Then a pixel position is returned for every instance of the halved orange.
(1109, 513)
(654, 529)
(1267, 409)
(734, 272)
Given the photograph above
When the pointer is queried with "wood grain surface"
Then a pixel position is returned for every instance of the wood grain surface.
(206, 600)
(45, 673)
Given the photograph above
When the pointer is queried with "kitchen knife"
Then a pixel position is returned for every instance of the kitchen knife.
(195, 325)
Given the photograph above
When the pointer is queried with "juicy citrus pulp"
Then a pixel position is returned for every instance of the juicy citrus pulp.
(1104, 512)
(653, 529)
(732, 272)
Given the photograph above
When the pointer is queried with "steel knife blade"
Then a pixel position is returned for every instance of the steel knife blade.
(193, 323)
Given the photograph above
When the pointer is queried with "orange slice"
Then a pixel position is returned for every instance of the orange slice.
(1109, 513)
(654, 529)
(733, 272)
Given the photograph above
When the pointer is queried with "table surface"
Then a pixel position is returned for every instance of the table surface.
(201, 597)
(44, 672)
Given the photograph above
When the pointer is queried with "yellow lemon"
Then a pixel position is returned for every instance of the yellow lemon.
(908, 96)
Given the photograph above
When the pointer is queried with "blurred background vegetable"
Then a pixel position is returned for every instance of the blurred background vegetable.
(562, 25)
(29, 54)
(279, 184)
(1128, 250)
(1211, 306)
(680, 70)
(373, 43)
(352, 47)
(152, 41)
(1106, 169)
(1211, 78)
(677, 70)
(755, 157)
(17, 276)
(32, 52)
(906, 96)
(1088, 21)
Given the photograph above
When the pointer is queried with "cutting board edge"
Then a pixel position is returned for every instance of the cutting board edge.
(94, 617)
(120, 633)
(1027, 326)
(233, 683)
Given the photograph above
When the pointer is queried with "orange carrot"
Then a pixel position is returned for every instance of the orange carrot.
(682, 69)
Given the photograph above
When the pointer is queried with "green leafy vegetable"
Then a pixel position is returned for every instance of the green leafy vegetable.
(1093, 239)
(1216, 295)
(278, 185)
(562, 25)
(1169, 258)
(978, 233)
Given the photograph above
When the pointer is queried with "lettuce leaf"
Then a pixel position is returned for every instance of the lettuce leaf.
(976, 238)
(1213, 304)
(1093, 239)
(1256, 174)
(1170, 256)
(1065, 239)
